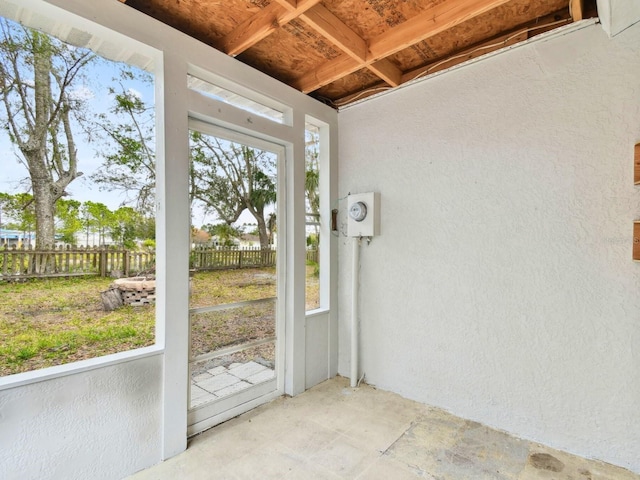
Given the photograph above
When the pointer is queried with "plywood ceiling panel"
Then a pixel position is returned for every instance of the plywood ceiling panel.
(344, 50)
(206, 20)
(288, 51)
(370, 18)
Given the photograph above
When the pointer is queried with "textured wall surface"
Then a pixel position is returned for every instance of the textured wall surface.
(316, 333)
(618, 15)
(502, 287)
(99, 424)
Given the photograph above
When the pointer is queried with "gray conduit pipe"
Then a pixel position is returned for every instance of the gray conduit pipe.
(354, 310)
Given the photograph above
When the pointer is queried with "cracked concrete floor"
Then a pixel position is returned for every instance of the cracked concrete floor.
(335, 432)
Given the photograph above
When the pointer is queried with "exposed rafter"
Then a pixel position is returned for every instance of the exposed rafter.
(427, 24)
(331, 27)
(263, 24)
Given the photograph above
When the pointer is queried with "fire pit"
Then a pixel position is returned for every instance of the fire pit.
(135, 291)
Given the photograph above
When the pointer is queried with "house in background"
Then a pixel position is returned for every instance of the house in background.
(501, 287)
(16, 238)
(249, 240)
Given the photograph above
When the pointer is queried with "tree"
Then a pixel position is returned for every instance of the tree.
(69, 221)
(130, 167)
(146, 228)
(199, 237)
(272, 226)
(124, 226)
(37, 76)
(19, 212)
(230, 178)
(5, 202)
(208, 185)
(97, 218)
(312, 179)
(226, 233)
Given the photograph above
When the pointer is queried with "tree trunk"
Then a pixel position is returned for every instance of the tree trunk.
(262, 232)
(44, 209)
(111, 299)
(264, 238)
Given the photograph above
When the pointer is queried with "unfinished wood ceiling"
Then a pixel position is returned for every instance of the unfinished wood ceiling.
(340, 51)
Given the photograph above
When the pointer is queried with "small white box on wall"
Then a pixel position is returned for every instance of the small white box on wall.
(363, 214)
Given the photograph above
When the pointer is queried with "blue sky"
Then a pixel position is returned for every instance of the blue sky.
(94, 89)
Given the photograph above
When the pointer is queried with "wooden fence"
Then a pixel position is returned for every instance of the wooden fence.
(312, 255)
(211, 258)
(18, 263)
(25, 262)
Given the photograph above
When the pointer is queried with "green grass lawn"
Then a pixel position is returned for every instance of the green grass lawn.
(56, 321)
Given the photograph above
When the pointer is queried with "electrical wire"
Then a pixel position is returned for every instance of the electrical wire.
(455, 57)
(363, 93)
(486, 47)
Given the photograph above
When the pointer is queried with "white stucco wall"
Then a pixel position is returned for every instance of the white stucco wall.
(617, 15)
(502, 287)
(100, 424)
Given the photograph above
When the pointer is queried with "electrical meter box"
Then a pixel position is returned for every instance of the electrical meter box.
(363, 213)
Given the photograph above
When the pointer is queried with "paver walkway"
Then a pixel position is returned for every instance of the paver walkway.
(224, 381)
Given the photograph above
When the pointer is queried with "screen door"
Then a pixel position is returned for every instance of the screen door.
(235, 292)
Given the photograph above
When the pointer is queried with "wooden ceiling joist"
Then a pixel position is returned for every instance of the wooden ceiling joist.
(262, 24)
(429, 23)
(333, 29)
(329, 72)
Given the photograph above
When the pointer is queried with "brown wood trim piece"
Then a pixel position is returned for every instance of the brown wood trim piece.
(577, 9)
(327, 73)
(261, 25)
(636, 240)
(333, 29)
(636, 165)
(387, 71)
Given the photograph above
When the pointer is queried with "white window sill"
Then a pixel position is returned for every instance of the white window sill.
(49, 373)
(316, 313)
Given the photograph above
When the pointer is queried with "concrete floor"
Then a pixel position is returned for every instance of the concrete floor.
(335, 432)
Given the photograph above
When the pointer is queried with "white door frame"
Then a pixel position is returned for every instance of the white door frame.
(211, 414)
